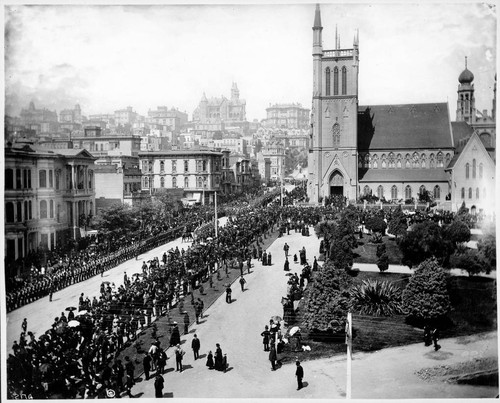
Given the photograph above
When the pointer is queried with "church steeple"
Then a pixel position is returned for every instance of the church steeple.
(317, 28)
(466, 103)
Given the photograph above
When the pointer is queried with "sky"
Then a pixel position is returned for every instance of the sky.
(109, 57)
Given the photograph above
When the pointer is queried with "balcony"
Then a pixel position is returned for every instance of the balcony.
(338, 53)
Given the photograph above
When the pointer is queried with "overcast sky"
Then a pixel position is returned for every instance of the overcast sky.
(109, 57)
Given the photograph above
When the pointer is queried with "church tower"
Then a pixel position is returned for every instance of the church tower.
(333, 160)
(466, 104)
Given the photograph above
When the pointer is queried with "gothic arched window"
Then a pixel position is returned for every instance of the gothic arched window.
(367, 190)
(162, 182)
(467, 169)
(394, 192)
(474, 168)
(422, 190)
(367, 161)
(477, 193)
(415, 160)
(344, 81)
(380, 192)
(422, 160)
(360, 161)
(462, 193)
(437, 192)
(470, 193)
(375, 161)
(335, 81)
(440, 162)
(481, 170)
(43, 209)
(327, 80)
(399, 160)
(383, 161)
(432, 161)
(407, 161)
(392, 161)
(336, 134)
(408, 192)
(186, 181)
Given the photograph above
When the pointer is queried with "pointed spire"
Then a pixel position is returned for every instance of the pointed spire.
(465, 62)
(338, 45)
(336, 37)
(317, 17)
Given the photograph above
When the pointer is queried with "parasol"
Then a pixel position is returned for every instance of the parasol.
(84, 312)
(71, 308)
(276, 319)
(73, 323)
(210, 238)
(294, 330)
(284, 300)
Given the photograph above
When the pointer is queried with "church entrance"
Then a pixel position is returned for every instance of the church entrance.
(336, 184)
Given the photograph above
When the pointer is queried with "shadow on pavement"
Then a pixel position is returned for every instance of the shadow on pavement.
(229, 369)
(202, 356)
(169, 370)
(186, 366)
(305, 384)
(169, 394)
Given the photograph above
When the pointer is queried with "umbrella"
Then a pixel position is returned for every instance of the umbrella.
(84, 312)
(209, 238)
(294, 330)
(45, 367)
(137, 274)
(276, 318)
(71, 308)
(73, 323)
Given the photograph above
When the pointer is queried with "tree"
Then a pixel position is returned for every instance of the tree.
(383, 258)
(424, 241)
(376, 224)
(457, 232)
(464, 215)
(398, 225)
(425, 297)
(469, 260)
(116, 221)
(326, 300)
(487, 248)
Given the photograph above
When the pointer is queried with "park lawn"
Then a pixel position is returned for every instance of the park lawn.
(474, 311)
(366, 252)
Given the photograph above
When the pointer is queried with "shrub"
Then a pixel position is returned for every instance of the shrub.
(326, 300)
(376, 298)
(397, 223)
(383, 262)
(376, 224)
(470, 261)
(426, 298)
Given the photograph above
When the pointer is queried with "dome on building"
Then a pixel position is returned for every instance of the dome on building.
(466, 77)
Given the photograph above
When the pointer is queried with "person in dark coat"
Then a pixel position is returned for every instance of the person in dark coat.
(195, 345)
(295, 260)
(435, 339)
(273, 357)
(265, 338)
(159, 382)
(286, 266)
(228, 294)
(186, 323)
(210, 360)
(175, 337)
(299, 373)
(146, 364)
(179, 353)
(242, 283)
(218, 358)
(264, 258)
(269, 258)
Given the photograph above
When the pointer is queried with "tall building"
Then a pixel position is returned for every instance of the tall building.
(395, 152)
(39, 120)
(48, 198)
(197, 173)
(167, 119)
(216, 110)
(71, 115)
(287, 116)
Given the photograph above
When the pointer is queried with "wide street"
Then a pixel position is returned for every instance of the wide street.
(389, 373)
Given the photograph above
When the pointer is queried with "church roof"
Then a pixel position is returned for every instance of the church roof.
(422, 126)
(403, 175)
(461, 131)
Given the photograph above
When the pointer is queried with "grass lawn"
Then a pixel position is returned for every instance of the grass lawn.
(366, 252)
(474, 311)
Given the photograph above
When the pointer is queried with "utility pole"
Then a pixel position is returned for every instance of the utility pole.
(216, 219)
(348, 341)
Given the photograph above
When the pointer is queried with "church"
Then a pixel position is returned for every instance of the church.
(395, 152)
